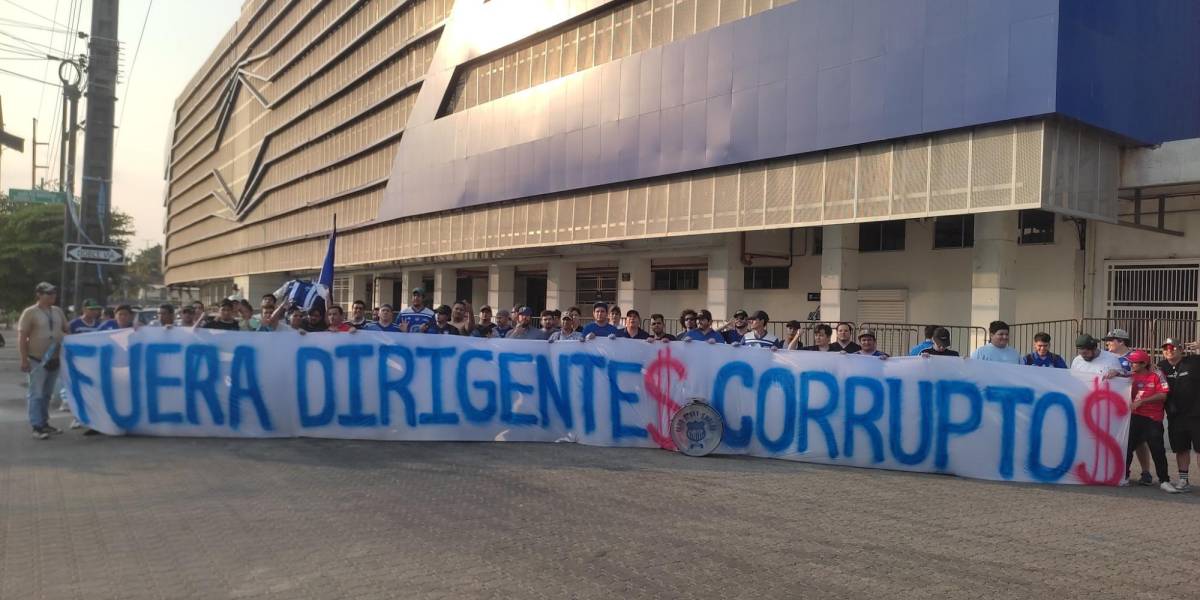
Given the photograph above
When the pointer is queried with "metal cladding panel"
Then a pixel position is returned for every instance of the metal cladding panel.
(807, 76)
(1132, 68)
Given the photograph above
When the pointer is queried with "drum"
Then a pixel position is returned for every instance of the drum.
(697, 428)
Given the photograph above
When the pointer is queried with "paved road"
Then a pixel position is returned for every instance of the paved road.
(100, 517)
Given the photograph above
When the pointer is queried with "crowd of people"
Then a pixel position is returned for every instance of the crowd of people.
(1167, 391)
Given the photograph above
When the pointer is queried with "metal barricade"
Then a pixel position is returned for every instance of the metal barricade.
(898, 339)
(1062, 336)
(1142, 330)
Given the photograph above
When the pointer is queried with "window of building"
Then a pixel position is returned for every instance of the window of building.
(677, 279)
(956, 231)
(1035, 227)
(818, 241)
(340, 294)
(766, 278)
(595, 287)
(881, 236)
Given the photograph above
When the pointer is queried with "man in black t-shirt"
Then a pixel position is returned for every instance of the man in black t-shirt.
(224, 318)
(1183, 406)
(941, 344)
(845, 339)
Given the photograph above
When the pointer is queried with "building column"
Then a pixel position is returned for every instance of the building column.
(501, 288)
(993, 262)
(560, 285)
(445, 284)
(839, 273)
(254, 287)
(634, 283)
(726, 278)
(360, 288)
(409, 280)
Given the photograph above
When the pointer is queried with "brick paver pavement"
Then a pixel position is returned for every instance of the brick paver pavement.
(100, 517)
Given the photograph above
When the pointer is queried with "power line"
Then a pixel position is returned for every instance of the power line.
(45, 69)
(38, 15)
(23, 76)
(25, 25)
(73, 16)
(132, 64)
(32, 45)
(21, 50)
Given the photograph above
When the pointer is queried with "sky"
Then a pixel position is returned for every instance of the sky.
(178, 36)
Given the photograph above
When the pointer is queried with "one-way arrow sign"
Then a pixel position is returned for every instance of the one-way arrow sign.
(101, 255)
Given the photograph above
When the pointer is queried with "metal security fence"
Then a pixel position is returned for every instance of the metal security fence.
(898, 339)
(1062, 335)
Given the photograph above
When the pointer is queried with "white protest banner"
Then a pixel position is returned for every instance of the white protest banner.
(942, 415)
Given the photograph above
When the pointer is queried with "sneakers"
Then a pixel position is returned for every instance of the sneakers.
(1168, 488)
(1183, 486)
(52, 430)
(1124, 483)
(1145, 479)
(75, 424)
(40, 433)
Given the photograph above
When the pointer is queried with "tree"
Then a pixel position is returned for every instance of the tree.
(143, 268)
(31, 248)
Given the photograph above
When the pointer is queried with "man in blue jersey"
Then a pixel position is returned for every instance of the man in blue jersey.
(1041, 355)
(504, 323)
(387, 321)
(122, 319)
(867, 347)
(89, 320)
(633, 326)
(734, 330)
(704, 331)
(997, 349)
(442, 324)
(418, 318)
(600, 327)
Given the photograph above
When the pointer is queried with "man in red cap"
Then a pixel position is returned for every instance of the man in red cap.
(1183, 405)
(1149, 393)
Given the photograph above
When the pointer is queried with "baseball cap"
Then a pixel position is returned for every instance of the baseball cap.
(1086, 341)
(1138, 356)
(793, 324)
(503, 312)
(442, 310)
(759, 315)
(871, 334)
(741, 314)
(527, 311)
(45, 287)
(1117, 334)
(941, 334)
(90, 303)
(418, 291)
(1169, 342)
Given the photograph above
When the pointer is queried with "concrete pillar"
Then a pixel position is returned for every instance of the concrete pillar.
(383, 294)
(501, 286)
(360, 288)
(634, 283)
(445, 284)
(839, 273)
(560, 285)
(993, 262)
(253, 287)
(726, 278)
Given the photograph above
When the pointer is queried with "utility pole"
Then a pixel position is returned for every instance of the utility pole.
(70, 75)
(96, 197)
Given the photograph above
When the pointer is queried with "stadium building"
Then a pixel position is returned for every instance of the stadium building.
(945, 161)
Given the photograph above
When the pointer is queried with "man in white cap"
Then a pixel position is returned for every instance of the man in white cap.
(40, 334)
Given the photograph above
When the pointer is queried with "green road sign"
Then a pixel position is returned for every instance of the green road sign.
(36, 196)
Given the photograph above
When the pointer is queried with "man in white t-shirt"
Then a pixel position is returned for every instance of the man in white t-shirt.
(417, 317)
(1091, 359)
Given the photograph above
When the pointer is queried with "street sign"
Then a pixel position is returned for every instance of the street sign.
(101, 255)
(36, 196)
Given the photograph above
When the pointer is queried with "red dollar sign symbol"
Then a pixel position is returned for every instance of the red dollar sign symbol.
(1108, 463)
(657, 382)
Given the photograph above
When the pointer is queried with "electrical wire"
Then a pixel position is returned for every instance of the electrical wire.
(38, 15)
(46, 69)
(132, 65)
(25, 25)
(23, 76)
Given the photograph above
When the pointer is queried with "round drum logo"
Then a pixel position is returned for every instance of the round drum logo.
(697, 428)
